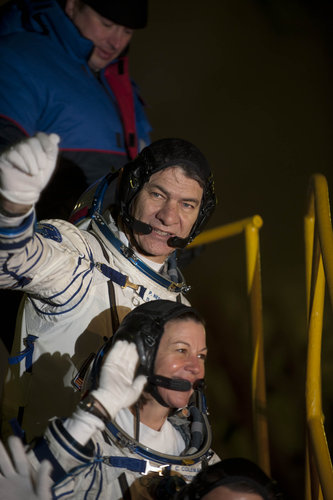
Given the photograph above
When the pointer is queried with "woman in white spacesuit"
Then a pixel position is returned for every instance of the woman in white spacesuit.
(141, 431)
(143, 419)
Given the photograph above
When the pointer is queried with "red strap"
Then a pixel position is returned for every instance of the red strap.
(117, 76)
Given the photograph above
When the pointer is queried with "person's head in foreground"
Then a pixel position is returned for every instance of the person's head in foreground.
(231, 479)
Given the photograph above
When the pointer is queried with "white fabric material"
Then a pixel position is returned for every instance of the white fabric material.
(26, 168)
(117, 387)
(14, 221)
(90, 476)
(167, 440)
(154, 265)
(17, 478)
(82, 425)
(69, 312)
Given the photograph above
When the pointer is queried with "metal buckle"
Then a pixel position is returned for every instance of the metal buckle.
(173, 286)
(179, 287)
(152, 468)
(131, 285)
(98, 266)
(128, 252)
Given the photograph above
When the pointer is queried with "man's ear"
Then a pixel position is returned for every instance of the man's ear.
(70, 7)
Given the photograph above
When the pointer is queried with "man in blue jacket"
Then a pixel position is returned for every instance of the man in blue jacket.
(65, 70)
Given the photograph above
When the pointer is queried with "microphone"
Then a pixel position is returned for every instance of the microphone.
(137, 225)
(176, 242)
(144, 228)
(174, 384)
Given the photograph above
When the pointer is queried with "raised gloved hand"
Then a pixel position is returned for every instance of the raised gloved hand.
(117, 389)
(17, 480)
(26, 168)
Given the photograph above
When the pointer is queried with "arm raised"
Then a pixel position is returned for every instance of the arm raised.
(25, 170)
(118, 388)
(17, 479)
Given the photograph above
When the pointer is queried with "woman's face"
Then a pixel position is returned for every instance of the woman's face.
(181, 354)
(224, 493)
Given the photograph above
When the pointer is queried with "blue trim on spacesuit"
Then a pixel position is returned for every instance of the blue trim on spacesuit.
(14, 232)
(118, 278)
(49, 231)
(42, 452)
(131, 257)
(59, 313)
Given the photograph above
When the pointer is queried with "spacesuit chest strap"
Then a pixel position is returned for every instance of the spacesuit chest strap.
(134, 464)
(119, 278)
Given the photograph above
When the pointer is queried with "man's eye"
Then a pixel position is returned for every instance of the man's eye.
(155, 194)
(106, 22)
(187, 205)
(202, 356)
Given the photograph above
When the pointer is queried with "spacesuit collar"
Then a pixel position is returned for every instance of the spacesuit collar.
(183, 425)
(117, 238)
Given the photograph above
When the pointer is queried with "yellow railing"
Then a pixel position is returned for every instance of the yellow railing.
(250, 227)
(318, 266)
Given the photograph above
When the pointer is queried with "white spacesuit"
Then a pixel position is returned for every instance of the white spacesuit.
(80, 283)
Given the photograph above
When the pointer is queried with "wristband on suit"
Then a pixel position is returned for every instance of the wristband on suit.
(91, 405)
(5, 212)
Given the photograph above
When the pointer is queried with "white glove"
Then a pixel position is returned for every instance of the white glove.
(117, 389)
(26, 168)
(82, 426)
(17, 479)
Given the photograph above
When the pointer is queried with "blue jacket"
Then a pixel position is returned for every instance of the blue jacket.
(47, 85)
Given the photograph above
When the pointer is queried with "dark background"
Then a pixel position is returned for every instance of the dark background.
(249, 82)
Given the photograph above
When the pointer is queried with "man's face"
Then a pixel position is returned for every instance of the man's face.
(169, 202)
(181, 354)
(109, 38)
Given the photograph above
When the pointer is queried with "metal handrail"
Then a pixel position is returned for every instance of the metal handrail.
(250, 227)
(318, 270)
